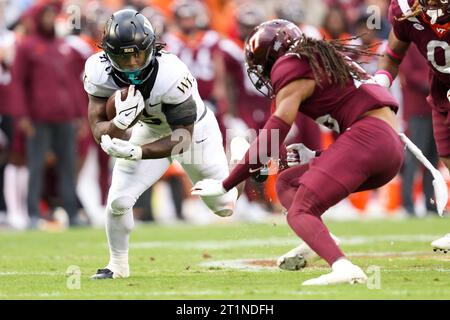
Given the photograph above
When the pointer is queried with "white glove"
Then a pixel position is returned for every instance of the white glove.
(298, 153)
(208, 187)
(120, 148)
(382, 79)
(129, 109)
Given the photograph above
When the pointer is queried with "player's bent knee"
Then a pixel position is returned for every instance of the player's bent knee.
(121, 205)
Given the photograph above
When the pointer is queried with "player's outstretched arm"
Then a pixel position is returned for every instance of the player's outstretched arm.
(288, 101)
(390, 62)
(98, 121)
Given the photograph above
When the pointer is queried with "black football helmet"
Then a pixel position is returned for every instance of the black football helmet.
(129, 43)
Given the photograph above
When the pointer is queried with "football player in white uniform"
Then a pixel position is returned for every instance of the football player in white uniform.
(173, 124)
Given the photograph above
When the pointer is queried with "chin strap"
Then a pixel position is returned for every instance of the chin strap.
(439, 185)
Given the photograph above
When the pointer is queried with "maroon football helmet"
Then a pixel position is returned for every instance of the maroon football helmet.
(265, 44)
(434, 5)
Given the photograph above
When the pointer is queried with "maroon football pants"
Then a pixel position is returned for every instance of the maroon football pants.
(366, 156)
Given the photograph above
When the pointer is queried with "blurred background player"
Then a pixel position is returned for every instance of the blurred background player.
(419, 127)
(44, 77)
(7, 51)
(198, 47)
(426, 24)
(247, 108)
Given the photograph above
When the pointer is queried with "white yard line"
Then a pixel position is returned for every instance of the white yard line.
(80, 293)
(141, 294)
(274, 241)
(16, 273)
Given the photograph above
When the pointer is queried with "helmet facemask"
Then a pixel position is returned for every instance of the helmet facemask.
(437, 10)
(262, 83)
(132, 64)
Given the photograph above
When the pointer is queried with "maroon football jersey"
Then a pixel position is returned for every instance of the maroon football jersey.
(433, 44)
(331, 105)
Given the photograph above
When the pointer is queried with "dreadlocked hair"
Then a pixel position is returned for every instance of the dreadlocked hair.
(416, 10)
(328, 58)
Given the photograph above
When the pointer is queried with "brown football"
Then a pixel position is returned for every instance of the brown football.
(111, 106)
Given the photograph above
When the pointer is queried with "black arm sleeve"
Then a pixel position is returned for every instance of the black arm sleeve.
(184, 113)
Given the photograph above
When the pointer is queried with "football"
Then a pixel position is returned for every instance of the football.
(111, 106)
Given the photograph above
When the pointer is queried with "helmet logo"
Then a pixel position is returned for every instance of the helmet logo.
(254, 43)
(128, 50)
(277, 45)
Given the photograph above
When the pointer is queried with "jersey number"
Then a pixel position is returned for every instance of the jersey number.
(431, 53)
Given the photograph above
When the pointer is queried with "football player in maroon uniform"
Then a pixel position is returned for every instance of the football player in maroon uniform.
(426, 24)
(316, 78)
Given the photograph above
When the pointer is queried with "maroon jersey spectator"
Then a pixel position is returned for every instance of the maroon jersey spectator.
(198, 48)
(47, 99)
(249, 104)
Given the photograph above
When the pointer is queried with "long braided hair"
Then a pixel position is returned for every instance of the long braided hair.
(328, 58)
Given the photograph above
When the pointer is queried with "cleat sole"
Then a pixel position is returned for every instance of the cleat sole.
(294, 263)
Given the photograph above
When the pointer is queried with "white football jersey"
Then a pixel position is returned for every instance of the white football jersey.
(173, 84)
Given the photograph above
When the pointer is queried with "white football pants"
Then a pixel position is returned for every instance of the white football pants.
(205, 159)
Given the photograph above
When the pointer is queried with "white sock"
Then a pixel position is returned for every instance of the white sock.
(118, 229)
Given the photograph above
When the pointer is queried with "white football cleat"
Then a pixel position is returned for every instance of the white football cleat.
(343, 271)
(442, 244)
(300, 257)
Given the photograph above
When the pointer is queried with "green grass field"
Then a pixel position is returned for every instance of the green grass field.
(205, 262)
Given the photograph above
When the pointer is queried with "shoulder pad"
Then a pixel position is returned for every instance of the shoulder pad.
(97, 79)
(97, 69)
(174, 81)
